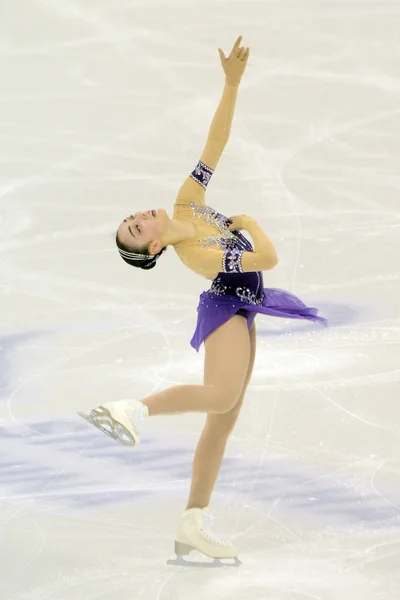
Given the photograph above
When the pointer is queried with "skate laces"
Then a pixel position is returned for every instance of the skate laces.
(209, 534)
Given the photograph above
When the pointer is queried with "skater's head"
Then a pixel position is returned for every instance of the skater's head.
(139, 238)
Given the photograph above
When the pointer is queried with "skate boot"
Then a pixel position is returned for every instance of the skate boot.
(192, 535)
(119, 420)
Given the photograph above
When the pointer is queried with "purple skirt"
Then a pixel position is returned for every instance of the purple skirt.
(244, 294)
(215, 309)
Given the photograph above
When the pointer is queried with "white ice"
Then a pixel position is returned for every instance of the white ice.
(104, 110)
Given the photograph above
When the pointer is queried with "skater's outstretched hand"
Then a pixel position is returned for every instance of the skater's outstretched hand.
(235, 65)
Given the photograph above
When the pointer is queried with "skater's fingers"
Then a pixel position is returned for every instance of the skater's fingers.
(237, 43)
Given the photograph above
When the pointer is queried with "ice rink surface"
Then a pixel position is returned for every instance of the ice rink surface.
(104, 110)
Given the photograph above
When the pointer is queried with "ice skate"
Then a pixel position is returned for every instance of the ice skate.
(191, 535)
(119, 420)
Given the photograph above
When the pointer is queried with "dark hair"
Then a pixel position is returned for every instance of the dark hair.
(142, 264)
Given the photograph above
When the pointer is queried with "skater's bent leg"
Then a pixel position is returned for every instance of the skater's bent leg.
(226, 364)
(211, 447)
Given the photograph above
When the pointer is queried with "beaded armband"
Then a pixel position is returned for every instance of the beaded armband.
(202, 174)
(232, 261)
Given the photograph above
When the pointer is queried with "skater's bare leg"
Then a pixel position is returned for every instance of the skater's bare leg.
(226, 363)
(211, 447)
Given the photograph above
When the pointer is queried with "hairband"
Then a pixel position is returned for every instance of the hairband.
(135, 256)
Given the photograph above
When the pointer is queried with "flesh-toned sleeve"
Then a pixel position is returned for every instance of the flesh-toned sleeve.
(208, 262)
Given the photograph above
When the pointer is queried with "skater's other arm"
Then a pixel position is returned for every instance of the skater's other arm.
(211, 261)
(194, 187)
(208, 262)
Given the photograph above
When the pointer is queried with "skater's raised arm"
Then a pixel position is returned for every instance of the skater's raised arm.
(220, 129)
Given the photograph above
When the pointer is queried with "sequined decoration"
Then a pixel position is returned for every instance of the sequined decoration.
(232, 244)
(218, 287)
(243, 293)
(246, 295)
(232, 261)
(225, 239)
(202, 174)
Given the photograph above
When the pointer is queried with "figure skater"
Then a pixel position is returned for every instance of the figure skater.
(211, 245)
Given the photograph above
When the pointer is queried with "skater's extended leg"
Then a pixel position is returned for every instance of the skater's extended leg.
(211, 447)
(226, 364)
(227, 359)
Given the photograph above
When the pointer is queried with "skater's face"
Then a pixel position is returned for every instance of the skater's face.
(143, 230)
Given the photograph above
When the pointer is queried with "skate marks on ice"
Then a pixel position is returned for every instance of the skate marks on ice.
(63, 465)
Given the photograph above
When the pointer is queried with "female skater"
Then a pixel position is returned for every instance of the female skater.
(212, 246)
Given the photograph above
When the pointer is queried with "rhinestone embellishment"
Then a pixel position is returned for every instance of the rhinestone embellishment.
(225, 239)
(202, 174)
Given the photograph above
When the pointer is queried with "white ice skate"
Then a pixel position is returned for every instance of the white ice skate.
(118, 420)
(192, 535)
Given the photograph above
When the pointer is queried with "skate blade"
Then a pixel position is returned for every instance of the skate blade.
(216, 564)
(102, 419)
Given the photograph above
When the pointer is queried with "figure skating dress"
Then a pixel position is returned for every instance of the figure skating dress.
(232, 291)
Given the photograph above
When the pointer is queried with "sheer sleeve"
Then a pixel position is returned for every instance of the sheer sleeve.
(208, 262)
